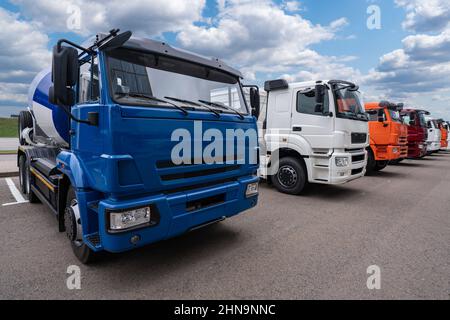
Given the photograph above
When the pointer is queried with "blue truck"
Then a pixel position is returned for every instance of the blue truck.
(99, 142)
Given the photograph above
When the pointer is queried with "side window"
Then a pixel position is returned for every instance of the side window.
(87, 91)
(407, 119)
(373, 116)
(382, 114)
(306, 103)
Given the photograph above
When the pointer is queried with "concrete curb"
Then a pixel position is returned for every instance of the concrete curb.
(9, 174)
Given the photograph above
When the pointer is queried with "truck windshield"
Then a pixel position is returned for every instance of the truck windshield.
(395, 115)
(135, 75)
(349, 103)
(423, 122)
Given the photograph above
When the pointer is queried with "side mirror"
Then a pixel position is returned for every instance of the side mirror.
(65, 70)
(116, 42)
(320, 98)
(255, 102)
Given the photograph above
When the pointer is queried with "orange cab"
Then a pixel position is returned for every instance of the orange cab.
(444, 134)
(388, 135)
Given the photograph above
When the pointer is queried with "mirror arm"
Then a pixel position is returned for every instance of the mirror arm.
(71, 116)
(112, 33)
(61, 41)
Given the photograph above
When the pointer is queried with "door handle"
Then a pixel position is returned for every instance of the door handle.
(297, 129)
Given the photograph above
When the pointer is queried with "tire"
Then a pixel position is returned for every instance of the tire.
(380, 165)
(371, 163)
(25, 121)
(24, 180)
(83, 253)
(291, 177)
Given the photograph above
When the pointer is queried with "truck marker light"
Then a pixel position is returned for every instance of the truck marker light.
(252, 189)
(342, 162)
(120, 221)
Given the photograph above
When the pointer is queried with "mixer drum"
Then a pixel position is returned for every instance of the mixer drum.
(51, 122)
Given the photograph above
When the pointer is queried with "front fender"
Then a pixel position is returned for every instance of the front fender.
(69, 164)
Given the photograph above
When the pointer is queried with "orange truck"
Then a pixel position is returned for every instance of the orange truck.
(388, 135)
(444, 134)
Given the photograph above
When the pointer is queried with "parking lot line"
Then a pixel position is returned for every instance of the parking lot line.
(15, 192)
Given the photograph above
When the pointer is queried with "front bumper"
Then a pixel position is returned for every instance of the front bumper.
(434, 146)
(356, 168)
(417, 149)
(177, 213)
(386, 153)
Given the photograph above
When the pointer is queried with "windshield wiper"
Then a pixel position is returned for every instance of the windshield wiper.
(149, 97)
(223, 106)
(195, 104)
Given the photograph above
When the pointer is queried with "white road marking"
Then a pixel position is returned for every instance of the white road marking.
(15, 192)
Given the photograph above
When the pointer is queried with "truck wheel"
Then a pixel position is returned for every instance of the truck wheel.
(25, 121)
(24, 180)
(74, 231)
(380, 165)
(371, 163)
(291, 176)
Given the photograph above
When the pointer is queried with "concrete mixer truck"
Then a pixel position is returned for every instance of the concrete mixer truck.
(117, 142)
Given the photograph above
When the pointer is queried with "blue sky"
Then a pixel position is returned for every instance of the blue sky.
(405, 61)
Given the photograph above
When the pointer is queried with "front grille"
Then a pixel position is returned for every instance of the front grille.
(359, 137)
(200, 173)
(358, 158)
(205, 202)
(403, 140)
(357, 171)
(404, 152)
(165, 164)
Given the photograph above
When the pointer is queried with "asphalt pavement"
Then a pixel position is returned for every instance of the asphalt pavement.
(315, 246)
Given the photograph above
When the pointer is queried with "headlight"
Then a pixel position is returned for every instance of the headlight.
(342, 162)
(123, 220)
(395, 150)
(252, 189)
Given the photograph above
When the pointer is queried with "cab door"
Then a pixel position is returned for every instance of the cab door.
(317, 128)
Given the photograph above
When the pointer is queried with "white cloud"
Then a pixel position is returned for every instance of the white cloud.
(292, 6)
(23, 52)
(264, 37)
(419, 72)
(425, 15)
(422, 65)
(150, 18)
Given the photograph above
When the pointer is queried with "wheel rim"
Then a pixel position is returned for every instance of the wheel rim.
(72, 223)
(287, 176)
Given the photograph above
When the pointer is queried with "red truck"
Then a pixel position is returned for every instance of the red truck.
(417, 131)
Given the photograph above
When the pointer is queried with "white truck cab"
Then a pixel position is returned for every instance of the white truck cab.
(312, 132)
(434, 135)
